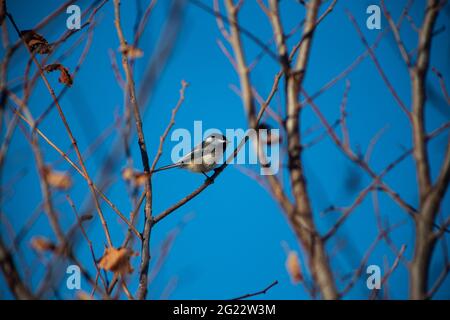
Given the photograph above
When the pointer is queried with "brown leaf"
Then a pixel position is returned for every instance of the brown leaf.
(42, 244)
(117, 260)
(64, 76)
(57, 179)
(86, 217)
(293, 267)
(138, 178)
(82, 295)
(128, 174)
(36, 42)
(132, 52)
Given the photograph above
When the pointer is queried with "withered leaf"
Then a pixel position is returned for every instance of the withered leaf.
(117, 260)
(131, 52)
(86, 217)
(83, 295)
(138, 178)
(57, 179)
(42, 244)
(293, 267)
(64, 76)
(128, 174)
(36, 42)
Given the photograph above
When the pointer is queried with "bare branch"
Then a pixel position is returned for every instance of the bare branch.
(13, 279)
(145, 252)
(264, 291)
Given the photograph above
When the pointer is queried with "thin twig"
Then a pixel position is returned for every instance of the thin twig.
(263, 291)
(68, 130)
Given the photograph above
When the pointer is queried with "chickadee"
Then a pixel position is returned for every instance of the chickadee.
(204, 157)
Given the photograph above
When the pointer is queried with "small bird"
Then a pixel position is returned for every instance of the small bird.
(204, 157)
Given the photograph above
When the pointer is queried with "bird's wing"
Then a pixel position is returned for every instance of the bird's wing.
(195, 153)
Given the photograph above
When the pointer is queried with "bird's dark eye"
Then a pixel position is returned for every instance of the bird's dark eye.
(213, 136)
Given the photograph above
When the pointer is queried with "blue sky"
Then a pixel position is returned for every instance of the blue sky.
(232, 243)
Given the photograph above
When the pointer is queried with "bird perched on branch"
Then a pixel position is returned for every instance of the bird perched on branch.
(204, 157)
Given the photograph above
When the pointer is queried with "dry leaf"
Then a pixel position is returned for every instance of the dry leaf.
(64, 76)
(57, 179)
(86, 217)
(293, 267)
(82, 295)
(138, 178)
(132, 52)
(42, 244)
(35, 42)
(128, 174)
(117, 260)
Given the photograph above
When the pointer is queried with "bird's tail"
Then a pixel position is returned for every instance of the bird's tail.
(170, 166)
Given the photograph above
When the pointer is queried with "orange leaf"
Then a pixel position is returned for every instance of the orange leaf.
(138, 178)
(82, 295)
(132, 52)
(64, 76)
(128, 174)
(293, 267)
(42, 244)
(58, 179)
(117, 260)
